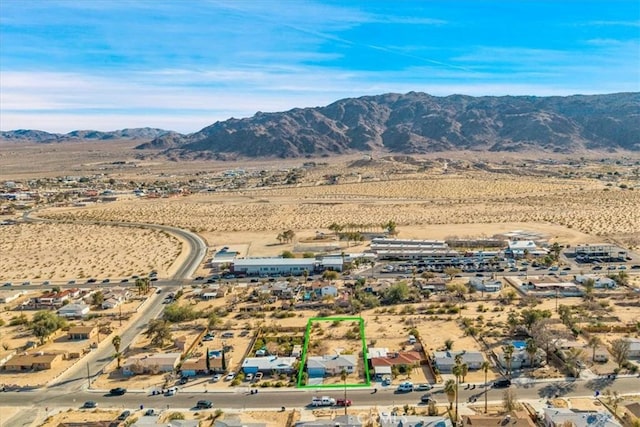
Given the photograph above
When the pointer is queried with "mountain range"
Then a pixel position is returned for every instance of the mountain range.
(80, 135)
(412, 123)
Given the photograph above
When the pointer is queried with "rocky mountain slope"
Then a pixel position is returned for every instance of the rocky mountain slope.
(27, 135)
(421, 123)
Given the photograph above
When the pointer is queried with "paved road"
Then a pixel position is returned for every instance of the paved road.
(272, 398)
(79, 375)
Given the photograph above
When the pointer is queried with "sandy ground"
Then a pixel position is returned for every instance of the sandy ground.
(39, 252)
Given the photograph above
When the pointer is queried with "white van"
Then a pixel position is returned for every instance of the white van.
(405, 386)
(412, 339)
(171, 391)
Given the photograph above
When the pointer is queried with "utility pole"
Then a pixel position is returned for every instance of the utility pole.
(120, 305)
(88, 376)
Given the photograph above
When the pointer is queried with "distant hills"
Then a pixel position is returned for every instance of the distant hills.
(80, 135)
(413, 123)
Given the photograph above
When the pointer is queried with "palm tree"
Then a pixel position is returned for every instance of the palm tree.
(464, 370)
(450, 390)
(457, 371)
(594, 343)
(508, 357)
(485, 368)
(531, 349)
(116, 341)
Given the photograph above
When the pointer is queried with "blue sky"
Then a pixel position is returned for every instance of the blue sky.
(184, 64)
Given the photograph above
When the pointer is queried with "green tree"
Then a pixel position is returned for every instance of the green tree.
(589, 285)
(97, 299)
(390, 227)
(457, 371)
(448, 344)
(530, 316)
(213, 321)
(555, 250)
(117, 341)
(452, 272)
(45, 323)
(287, 254)
(396, 293)
(336, 228)
(330, 275)
(143, 284)
(159, 332)
(343, 378)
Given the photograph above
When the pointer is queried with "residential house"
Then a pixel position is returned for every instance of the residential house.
(10, 295)
(328, 290)
(445, 360)
(82, 332)
(390, 420)
(634, 347)
(559, 417)
(321, 366)
(551, 287)
(155, 422)
(377, 352)
(520, 248)
(482, 284)
(158, 362)
(74, 310)
(632, 412)
(115, 296)
(34, 361)
(433, 285)
(405, 361)
(193, 367)
(54, 299)
(268, 364)
(520, 358)
(514, 419)
(340, 421)
(599, 282)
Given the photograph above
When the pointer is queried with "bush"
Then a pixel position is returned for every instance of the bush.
(175, 416)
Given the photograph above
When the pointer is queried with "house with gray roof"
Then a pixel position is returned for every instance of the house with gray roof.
(390, 420)
(321, 366)
(558, 417)
(266, 365)
(445, 360)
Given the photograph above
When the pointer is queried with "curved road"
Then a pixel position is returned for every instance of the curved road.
(77, 376)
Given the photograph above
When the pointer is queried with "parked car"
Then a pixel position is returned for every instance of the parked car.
(248, 377)
(106, 281)
(204, 404)
(90, 404)
(257, 377)
(124, 415)
(150, 412)
(426, 398)
(343, 402)
(405, 387)
(502, 383)
(171, 391)
(386, 381)
(230, 376)
(216, 378)
(423, 387)
(118, 391)
(183, 380)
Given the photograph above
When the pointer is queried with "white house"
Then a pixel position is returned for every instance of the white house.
(558, 417)
(518, 249)
(268, 364)
(387, 420)
(329, 290)
(599, 282)
(446, 360)
(159, 362)
(485, 284)
(73, 310)
(634, 347)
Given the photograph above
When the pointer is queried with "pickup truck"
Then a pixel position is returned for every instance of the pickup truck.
(323, 401)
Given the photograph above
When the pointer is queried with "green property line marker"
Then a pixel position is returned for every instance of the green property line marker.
(303, 360)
